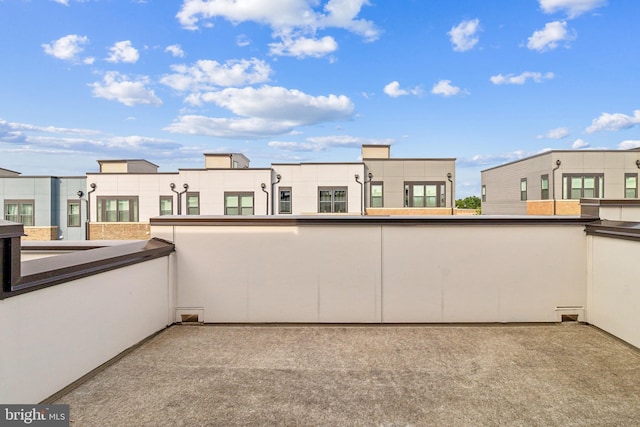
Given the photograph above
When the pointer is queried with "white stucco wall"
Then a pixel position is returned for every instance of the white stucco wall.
(53, 336)
(614, 288)
(379, 273)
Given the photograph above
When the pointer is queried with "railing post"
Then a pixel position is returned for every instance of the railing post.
(10, 234)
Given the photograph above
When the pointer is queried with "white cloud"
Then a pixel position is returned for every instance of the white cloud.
(394, 91)
(243, 40)
(68, 47)
(573, 8)
(616, 121)
(324, 143)
(283, 14)
(551, 36)
(208, 74)
(265, 111)
(579, 144)
(63, 2)
(118, 87)
(629, 144)
(445, 88)
(464, 36)
(493, 159)
(52, 139)
(123, 52)
(557, 133)
(521, 78)
(175, 50)
(303, 47)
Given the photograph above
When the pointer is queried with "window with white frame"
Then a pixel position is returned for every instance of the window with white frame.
(284, 200)
(630, 185)
(377, 195)
(73, 213)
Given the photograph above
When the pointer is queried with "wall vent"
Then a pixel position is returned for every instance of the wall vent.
(570, 313)
(189, 315)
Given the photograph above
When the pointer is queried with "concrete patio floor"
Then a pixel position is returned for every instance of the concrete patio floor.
(458, 375)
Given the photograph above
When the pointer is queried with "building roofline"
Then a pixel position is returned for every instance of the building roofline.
(404, 159)
(126, 160)
(552, 152)
(130, 173)
(317, 163)
(224, 169)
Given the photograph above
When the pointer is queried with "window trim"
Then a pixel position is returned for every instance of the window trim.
(195, 194)
(635, 189)
(239, 194)
(523, 189)
(441, 193)
(21, 202)
(101, 212)
(544, 178)
(71, 202)
(170, 198)
(280, 201)
(333, 201)
(371, 198)
(483, 193)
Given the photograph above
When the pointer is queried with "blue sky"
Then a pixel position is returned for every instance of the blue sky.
(484, 81)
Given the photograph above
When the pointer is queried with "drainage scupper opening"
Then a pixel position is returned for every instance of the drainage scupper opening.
(189, 318)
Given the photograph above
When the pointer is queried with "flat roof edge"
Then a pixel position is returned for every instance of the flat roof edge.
(45, 272)
(330, 220)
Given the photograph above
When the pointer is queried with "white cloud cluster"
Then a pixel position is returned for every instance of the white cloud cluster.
(615, 121)
(573, 8)
(520, 79)
(393, 90)
(118, 87)
(464, 36)
(492, 159)
(51, 139)
(551, 36)
(304, 47)
(175, 50)
(629, 144)
(557, 133)
(445, 88)
(262, 112)
(123, 51)
(290, 20)
(207, 74)
(67, 48)
(324, 143)
(579, 144)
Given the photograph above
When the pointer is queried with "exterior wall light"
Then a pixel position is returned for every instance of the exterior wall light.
(264, 186)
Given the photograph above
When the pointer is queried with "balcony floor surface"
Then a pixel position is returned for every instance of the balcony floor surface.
(546, 375)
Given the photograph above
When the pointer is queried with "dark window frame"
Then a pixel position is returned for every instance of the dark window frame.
(190, 209)
(626, 189)
(523, 189)
(282, 202)
(101, 208)
(372, 198)
(567, 189)
(20, 217)
(483, 193)
(164, 198)
(544, 192)
(441, 194)
(333, 203)
(70, 215)
(239, 195)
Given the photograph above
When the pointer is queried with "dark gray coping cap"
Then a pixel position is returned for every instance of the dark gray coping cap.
(45, 272)
(625, 230)
(10, 229)
(332, 220)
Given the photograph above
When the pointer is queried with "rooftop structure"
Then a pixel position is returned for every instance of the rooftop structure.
(336, 269)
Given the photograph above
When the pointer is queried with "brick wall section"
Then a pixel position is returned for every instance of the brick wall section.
(119, 231)
(40, 233)
(545, 207)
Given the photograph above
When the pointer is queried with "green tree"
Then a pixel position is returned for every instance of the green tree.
(471, 202)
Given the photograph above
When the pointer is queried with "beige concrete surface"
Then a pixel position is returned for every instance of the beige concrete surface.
(529, 375)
